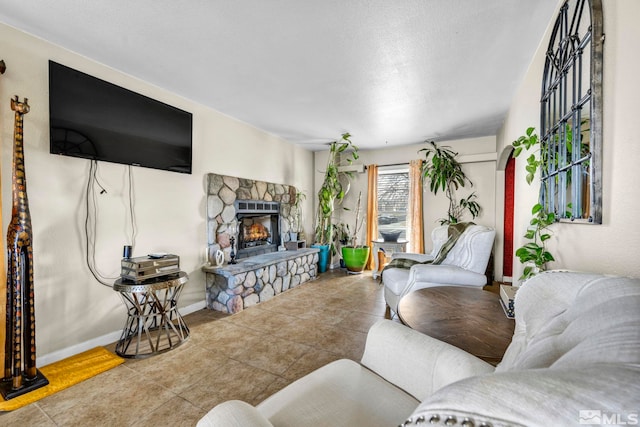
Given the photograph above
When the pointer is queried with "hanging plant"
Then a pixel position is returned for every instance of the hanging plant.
(534, 254)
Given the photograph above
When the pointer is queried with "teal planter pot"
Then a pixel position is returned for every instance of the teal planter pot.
(355, 258)
(323, 257)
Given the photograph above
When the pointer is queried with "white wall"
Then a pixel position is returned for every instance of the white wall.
(481, 173)
(612, 247)
(74, 311)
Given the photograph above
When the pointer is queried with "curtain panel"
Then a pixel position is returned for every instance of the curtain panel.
(415, 221)
(372, 211)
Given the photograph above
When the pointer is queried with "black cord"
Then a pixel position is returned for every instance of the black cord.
(132, 216)
(90, 245)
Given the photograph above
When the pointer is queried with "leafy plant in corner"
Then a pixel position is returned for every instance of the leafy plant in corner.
(534, 254)
(334, 186)
(445, 173)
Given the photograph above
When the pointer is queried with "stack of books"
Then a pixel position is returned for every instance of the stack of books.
(507, 295)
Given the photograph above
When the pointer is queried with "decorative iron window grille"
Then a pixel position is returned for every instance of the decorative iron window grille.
(571, 115)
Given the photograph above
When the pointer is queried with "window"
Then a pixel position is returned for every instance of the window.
(571, 115)
(393, 198)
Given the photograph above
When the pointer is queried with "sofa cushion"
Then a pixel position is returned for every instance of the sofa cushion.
(342, 393)
(538, 397)
(567, 319)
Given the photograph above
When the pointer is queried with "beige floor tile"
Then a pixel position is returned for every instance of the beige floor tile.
(227, 338)
(176, 412)
(30, 415)
(359, 321)
(260, 320)
(273, 354)
(247, 356)
(115, 397)
(235, 380)
(180, 368)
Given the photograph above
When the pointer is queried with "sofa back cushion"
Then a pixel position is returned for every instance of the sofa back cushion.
(568, 320)
(473, 249)
(439, 237)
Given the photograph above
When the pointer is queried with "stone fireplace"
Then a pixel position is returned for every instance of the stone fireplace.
(263, 215)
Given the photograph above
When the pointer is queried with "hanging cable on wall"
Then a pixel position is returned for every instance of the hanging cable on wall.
(93, 190)
(90, 224)
(132, 215)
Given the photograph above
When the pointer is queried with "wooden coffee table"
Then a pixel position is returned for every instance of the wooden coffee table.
(468, 318)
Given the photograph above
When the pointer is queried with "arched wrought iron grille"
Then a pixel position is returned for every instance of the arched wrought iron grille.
(571, 114)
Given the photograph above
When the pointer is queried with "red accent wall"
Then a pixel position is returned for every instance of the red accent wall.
(509, 193)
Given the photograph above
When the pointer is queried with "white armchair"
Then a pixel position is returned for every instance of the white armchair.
(465, 265)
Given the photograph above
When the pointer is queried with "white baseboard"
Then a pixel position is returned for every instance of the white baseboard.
(103, 340)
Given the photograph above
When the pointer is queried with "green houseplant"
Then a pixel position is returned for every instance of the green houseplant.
(332, 191)
(355, 256)
(534, 254)
(443, 172)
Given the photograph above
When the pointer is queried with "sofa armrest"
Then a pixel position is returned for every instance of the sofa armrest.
(234, 413)
(415, 362)
(445, 274)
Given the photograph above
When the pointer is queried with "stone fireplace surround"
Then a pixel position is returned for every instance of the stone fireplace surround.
(231, 288)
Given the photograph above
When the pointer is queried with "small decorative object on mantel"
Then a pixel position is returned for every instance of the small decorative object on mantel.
(20, 373)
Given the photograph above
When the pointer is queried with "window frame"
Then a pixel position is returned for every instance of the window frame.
(388, 170)
(558, 122)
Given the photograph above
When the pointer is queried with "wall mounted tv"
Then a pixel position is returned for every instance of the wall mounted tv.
(93, 119)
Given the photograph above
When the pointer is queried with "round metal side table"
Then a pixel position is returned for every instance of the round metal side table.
(153, 324)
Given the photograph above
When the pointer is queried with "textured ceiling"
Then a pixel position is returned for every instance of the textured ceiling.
(391, 72)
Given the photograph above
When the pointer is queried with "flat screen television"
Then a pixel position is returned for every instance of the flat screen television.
(94, 119)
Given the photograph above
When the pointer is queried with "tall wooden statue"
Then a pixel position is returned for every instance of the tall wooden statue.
(20, 373)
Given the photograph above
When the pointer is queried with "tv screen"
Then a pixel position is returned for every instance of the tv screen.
(93, 119)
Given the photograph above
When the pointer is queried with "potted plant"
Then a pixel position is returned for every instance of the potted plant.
(333, 189)
(445, 172)
(341, 238)
(355, 256)
(534, 254)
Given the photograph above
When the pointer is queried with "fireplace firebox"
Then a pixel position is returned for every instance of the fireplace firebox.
(258, 227)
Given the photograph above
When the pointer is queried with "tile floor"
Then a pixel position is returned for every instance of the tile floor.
(246, 356)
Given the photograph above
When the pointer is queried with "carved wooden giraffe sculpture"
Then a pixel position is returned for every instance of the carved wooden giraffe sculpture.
(20, 373)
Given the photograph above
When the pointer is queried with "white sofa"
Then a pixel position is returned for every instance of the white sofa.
(465, 265)
(575, 353)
